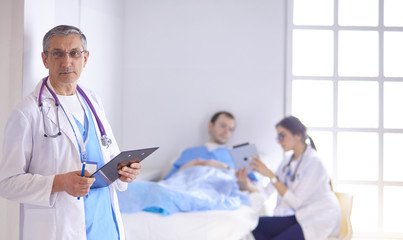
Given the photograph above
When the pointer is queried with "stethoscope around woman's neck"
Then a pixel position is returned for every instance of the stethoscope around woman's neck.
(106, 141)
(288, 165)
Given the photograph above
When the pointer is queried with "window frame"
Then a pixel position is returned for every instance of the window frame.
(381, 79)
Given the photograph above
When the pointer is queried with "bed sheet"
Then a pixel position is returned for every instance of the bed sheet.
(197, 188)
(198, 225)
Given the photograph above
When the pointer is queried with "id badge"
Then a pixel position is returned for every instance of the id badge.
(91, 167)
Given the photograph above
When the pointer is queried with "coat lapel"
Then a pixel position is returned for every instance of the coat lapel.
(53, 117)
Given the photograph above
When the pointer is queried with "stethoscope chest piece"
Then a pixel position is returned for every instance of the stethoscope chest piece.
(105, 140)
(293, 176)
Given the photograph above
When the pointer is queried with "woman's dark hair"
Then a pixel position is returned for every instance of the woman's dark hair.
(217, 114)
(295, 126)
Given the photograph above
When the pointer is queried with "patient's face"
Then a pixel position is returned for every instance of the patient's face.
(221, 130)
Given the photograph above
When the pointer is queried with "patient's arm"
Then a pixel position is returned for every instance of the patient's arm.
(245, 184)
(216, 164)
(192, 163)
(201, 162)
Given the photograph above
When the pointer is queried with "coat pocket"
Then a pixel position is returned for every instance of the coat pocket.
(39, 224)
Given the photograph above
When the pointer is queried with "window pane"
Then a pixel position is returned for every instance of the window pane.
(312, 53)
(392, 157)
(313, 12)
(357, 156)
(364, 215)
(393, 16)
(358, 104)
(358, 12)
(324, 144)
(358, 53)
(392, 106)
(393, 209)
(312, 102)
(393, 54)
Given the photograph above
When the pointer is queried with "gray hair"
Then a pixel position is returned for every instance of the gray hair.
(63, 30)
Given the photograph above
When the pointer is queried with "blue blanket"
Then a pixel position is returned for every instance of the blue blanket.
(192, 189)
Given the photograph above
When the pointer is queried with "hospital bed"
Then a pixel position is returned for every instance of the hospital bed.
(199, 225)
(234, 224)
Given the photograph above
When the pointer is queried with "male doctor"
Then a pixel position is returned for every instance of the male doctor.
(50, 139)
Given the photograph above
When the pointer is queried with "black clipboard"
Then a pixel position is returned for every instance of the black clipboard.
(108, 173)
(242, 155)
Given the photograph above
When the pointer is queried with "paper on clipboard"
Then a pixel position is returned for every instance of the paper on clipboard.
(242, 155)
(108, 173)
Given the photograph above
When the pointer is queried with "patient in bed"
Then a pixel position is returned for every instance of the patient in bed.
(201, 179)
(214, 153)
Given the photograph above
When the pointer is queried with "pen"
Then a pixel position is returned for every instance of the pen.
(82, 174)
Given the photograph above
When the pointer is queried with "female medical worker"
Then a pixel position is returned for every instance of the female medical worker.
(306, 206)
(42, 156)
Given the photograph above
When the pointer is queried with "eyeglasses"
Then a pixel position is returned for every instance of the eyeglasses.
(58, 54)
(280, 137)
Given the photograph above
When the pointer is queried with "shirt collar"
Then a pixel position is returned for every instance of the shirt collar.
(213, 146)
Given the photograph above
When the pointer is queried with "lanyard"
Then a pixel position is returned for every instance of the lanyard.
(79, 138)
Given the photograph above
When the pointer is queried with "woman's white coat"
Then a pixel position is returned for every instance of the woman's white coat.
(316, 207)
(30, 161)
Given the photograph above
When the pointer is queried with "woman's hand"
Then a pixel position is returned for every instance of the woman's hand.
(129, 173)
(261, 168)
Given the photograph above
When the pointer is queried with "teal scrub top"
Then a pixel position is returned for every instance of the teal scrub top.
(100, 218)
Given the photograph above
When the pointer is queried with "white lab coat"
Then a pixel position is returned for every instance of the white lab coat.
(30, 161)
(316, 207)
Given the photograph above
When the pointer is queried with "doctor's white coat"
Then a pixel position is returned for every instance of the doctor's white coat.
(30, 161)
(316, 207)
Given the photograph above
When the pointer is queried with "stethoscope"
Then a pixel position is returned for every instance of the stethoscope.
(288, 165)
(105, 140)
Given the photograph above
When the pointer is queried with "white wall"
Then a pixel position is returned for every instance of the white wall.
(11, 47)
(171, 64)
(161, 67)
(39, 17)
(102, 22)
(185, 60)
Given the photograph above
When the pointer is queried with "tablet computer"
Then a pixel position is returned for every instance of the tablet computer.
(242, 155)
(108, 173)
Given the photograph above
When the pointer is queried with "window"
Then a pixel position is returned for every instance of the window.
(345, 82)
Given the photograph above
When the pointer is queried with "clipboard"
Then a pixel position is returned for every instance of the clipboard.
(242, 155)
(108, 173)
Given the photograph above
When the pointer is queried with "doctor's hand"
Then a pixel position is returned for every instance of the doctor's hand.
(129, 173)
(261, 168)
(73, 183)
